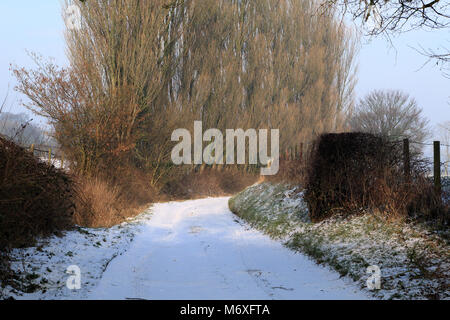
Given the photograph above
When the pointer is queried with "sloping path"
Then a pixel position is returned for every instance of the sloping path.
(198, 249)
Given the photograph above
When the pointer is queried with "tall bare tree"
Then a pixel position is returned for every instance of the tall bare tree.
(140, 69)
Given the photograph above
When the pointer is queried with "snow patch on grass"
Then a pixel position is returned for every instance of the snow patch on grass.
(41, 270)
(414, 260)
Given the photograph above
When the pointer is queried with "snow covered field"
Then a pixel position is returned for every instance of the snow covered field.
(180, 250)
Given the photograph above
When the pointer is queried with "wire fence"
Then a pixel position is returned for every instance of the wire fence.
(51, 154)
(438, 165)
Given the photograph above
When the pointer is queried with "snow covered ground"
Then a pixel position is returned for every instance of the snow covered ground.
(413, 258)
(56, 162)
(43, 269)
(182, 250)
(198, 250)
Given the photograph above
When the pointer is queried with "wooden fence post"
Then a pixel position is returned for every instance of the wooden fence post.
(406, 159)
(437, 167)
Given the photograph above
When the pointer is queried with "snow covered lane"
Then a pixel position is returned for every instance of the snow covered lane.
(198, 250)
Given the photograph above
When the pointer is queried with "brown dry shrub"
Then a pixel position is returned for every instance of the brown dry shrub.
(208, 182)
(107, 201)
(36, 200)
(99, 205)
(133, 184)
(290, 171)
(351, 172)
(124, 192)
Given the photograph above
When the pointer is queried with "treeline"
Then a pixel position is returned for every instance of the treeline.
(20, 129)
(140, 69)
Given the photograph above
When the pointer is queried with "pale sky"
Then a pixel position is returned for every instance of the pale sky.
(37, 26)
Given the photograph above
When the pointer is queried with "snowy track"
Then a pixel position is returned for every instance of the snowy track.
(199, 250)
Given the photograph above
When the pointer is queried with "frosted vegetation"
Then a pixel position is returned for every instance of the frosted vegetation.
(414, 259)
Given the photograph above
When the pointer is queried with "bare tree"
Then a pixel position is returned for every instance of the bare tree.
(140, 69)
(392, 114)
(396, 16)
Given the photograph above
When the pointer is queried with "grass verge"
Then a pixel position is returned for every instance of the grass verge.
(414, 259)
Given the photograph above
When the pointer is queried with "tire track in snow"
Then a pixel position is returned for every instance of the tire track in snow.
(198, 249)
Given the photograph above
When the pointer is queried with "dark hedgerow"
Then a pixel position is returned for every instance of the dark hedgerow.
(351, 172)
(35, 199)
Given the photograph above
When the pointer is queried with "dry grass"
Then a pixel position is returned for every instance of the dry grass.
(224, 181)
(99, 205)
(106, 202)
(103, 204)
(290, 171)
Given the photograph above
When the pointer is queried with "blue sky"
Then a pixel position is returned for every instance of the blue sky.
(37, 26)
(396, 64)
